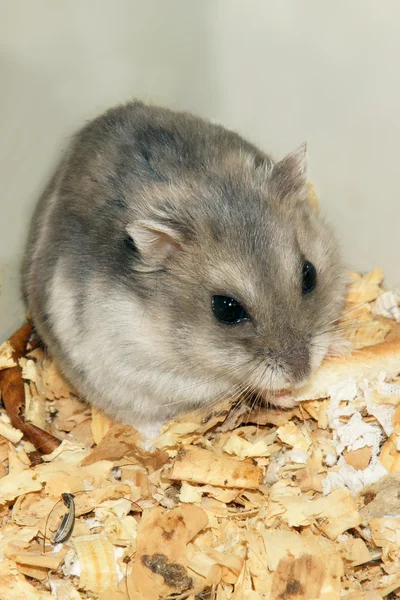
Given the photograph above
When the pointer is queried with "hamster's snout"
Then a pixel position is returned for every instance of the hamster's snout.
(298, 363)
(291, 362)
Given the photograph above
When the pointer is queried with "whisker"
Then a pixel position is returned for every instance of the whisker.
(360, 304)
(225, 394)
(340, 329)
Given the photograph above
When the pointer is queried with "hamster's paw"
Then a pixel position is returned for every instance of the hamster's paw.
(149, 432)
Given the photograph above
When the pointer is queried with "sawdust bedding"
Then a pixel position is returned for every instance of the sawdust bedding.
(238, 504)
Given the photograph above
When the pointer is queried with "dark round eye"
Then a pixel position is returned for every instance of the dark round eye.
(309, 277)
(228, 310)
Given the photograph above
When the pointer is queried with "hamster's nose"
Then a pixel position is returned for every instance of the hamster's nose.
(297, 359)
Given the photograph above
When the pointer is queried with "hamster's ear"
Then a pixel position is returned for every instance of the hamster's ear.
(289, 176)
(155, 241)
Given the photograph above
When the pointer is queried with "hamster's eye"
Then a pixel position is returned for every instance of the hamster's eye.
(309, 277)
(228, 310)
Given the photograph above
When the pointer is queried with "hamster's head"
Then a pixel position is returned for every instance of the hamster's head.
(241, 276)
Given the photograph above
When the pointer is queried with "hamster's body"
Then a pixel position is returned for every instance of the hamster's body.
(151, 218)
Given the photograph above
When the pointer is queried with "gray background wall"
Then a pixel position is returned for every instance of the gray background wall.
(278, 71)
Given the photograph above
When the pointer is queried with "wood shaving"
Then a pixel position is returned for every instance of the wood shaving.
(98, 568)
(195, 465)
(369, 311)
(6, 359)
(234, 504)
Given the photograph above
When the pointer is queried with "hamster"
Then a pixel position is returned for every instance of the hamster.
(171, 263)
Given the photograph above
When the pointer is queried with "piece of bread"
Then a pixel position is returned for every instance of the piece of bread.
(365, 363)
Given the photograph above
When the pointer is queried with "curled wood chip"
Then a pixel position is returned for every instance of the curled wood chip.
(6, 359)
(121, 531)
(97, 563)
(203, 418)
(196, 465)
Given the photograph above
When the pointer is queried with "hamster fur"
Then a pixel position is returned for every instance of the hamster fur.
(150, 215)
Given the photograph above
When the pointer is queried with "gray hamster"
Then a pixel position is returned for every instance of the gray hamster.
(171, 263)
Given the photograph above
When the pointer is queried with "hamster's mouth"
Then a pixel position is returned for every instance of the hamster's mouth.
(280, 393)
(272, 396)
